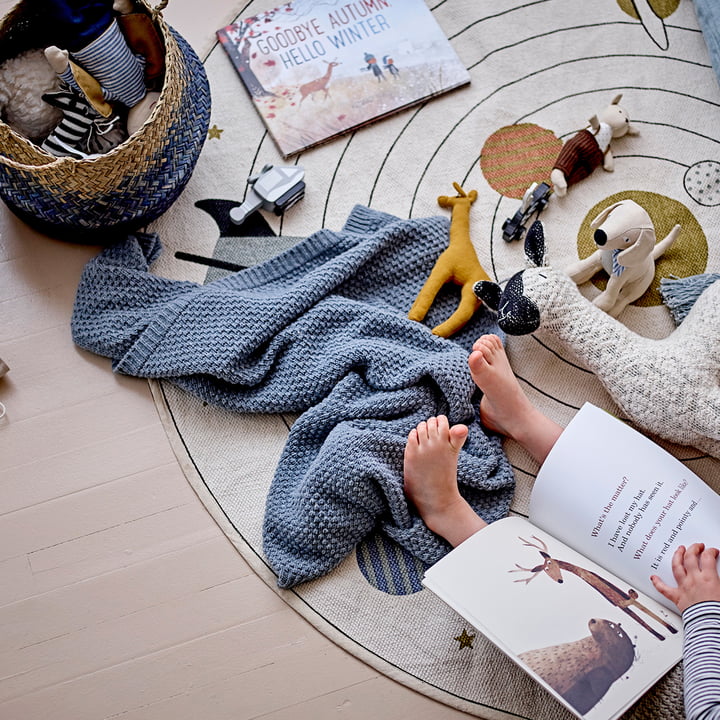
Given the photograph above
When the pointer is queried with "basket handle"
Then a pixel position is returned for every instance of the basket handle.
(157, 10)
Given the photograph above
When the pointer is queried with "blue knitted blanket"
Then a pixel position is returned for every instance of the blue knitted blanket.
(320, 330)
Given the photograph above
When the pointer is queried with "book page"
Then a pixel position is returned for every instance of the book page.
(622, 500)
(500, 581)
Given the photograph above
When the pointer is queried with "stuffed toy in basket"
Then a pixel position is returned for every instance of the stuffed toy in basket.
(94, 199)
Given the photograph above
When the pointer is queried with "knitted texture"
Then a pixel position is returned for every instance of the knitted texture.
(321, 330)
(669, 387)
(708, 14)
(579, 156)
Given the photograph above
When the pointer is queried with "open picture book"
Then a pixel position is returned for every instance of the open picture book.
(566, 593)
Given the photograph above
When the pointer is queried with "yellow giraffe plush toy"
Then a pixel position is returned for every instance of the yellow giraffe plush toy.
(458, 264)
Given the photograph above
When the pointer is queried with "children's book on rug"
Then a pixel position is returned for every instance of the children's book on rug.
(317, 69)
(566, 593)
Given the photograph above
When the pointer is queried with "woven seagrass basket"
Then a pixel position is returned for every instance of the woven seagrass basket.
(95, 199)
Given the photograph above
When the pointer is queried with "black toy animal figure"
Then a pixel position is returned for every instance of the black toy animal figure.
(678, 371)
(517, 314)
(254, 224)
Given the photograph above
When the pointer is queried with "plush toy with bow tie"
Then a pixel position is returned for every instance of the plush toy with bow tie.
(626, 250)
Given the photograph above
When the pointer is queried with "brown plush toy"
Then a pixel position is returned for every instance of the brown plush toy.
(590, 148)
(458, 264)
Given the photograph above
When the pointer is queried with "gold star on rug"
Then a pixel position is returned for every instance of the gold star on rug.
(214, 132)
(464, 639)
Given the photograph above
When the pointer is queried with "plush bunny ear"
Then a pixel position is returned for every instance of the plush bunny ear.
(535, 249)
(489, 292)
(517, 313)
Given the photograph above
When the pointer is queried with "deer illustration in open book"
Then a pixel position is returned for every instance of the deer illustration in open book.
(625, 601)
(321, 83)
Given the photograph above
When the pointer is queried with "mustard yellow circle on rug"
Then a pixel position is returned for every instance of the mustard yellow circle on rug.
(662, 8)
(687, 256)
(516, 156)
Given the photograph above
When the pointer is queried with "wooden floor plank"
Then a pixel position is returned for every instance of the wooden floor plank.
(96, 419)
(22, 275)
(36, 530)
(174, 621)
(180, 681)
(120, 597)
(120, 547)
(119, 593)
(374, 698)
(64, 473)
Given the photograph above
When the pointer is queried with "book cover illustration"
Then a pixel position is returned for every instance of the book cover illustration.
(316, 69)
(585, 634)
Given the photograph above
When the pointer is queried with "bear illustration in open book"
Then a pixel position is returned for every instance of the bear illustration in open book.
(627, 601)
(582, 671)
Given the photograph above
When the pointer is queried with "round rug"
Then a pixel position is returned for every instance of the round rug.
(538, 72)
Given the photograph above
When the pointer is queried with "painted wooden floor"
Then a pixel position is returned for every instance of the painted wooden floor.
(119, 596)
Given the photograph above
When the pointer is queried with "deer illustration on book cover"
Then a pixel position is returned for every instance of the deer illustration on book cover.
(315, 70)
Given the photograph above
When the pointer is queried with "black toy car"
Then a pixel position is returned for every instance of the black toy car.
(534, 201)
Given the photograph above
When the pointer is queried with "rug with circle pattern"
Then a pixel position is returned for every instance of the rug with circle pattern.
(539, 69)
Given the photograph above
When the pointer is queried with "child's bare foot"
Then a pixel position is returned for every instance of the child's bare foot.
(504, 407)
(430, 479)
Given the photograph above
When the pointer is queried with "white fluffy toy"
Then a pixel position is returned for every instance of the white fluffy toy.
(24, 79)
(669, 387)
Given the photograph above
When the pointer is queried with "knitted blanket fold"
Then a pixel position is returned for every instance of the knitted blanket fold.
(320, 330)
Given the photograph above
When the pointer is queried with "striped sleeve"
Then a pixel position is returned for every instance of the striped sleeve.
(701, 656)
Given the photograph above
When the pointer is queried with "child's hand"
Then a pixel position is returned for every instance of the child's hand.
(696, 573)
